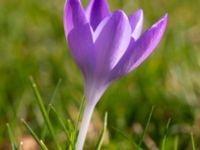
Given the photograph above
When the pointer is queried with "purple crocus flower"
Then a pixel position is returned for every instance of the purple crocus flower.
(106, 46)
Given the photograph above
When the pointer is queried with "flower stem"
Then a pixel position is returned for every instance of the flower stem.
(87, 114)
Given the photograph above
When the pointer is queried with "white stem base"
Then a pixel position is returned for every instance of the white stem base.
(87, 114)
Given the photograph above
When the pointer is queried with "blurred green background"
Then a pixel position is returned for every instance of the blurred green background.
(32, 42)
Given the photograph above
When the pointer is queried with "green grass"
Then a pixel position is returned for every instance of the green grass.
(32, 42)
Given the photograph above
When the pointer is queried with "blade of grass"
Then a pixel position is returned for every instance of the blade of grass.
(62, 124)
(44, 113)
(80, 113)
(72, 135)
(79, 117)
(11, 137)
(44, 130)
(176, 143)
(100, 141)
(165, 135)
(192, 140)
(60, 121)
(55, 92)
(146, 127)
(42, 146)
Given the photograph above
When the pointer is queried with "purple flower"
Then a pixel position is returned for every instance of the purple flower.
(106, 46)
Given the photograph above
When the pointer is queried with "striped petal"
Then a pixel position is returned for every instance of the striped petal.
(111, 41)
(139, 50)
(79, 36)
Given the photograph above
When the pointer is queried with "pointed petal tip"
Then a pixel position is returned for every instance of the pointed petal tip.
(140, 11)
(166, 15)
(119, 14)
(161, 22)
(164, 18)
(136, 22)
(138, 14)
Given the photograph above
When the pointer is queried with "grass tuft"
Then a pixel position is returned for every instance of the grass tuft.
(44, 113)
(44, 131)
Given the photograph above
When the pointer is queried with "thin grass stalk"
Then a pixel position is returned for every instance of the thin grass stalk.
(11, 137)
(44, 113)
(42, 146)
(146, 127)
(192, 140)
(176, 143)
(100, 141)
(44, 130)
(165, 135)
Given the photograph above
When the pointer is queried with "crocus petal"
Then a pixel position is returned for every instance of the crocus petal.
(139, 50)
(136, 21)
(79, 36)
(111, 42)
(96, 11)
